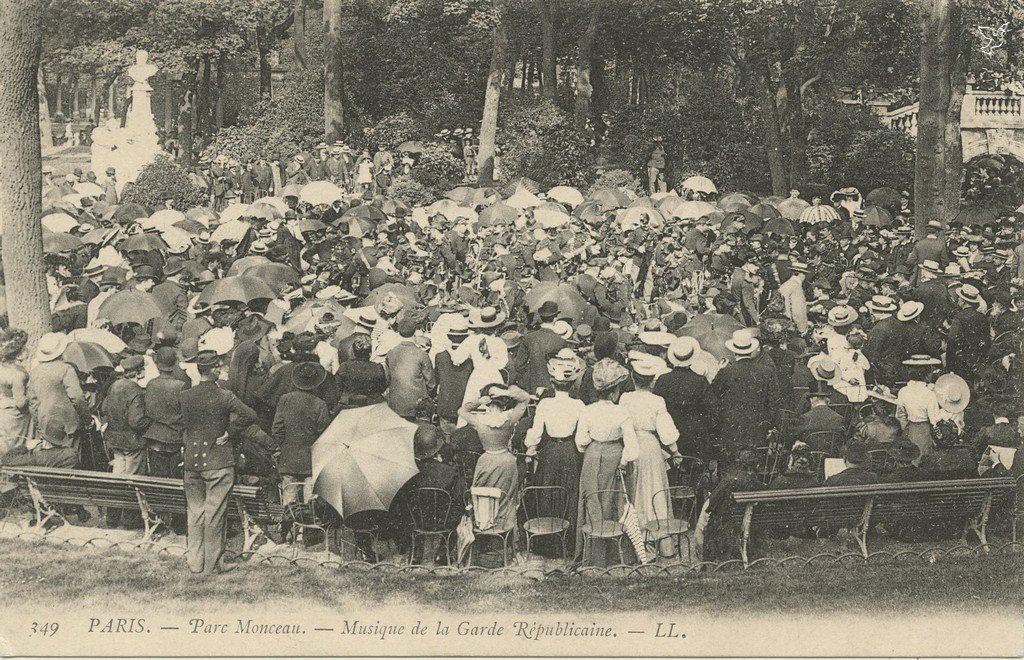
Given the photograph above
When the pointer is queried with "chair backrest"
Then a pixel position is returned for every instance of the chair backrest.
(604, 505)
(681, 500)
(465, 460)
(879, 460)
(818, 464)
(486, 501)
(545, 502)
(430, 509)
(771, 462)
(687, 473)
(830, 442)
(299, 512)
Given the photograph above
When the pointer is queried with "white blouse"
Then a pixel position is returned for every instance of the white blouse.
(605, 421)
(650, 414)
(559, 414)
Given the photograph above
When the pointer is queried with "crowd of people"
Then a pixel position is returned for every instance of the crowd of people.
(596, 341)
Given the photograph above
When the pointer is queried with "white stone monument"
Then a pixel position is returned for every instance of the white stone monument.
(137, 144)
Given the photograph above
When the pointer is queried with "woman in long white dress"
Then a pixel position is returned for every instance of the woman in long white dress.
(656, 437)
(488, 353)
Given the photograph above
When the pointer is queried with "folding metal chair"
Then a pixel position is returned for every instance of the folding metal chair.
(430, 510)
(601, 521)
(675, 526)
(546, 509)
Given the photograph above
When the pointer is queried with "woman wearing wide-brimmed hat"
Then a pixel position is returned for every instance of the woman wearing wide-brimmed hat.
(606, 436)
(488, 352)
(552, 438)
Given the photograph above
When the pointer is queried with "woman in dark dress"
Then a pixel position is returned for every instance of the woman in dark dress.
(551, 440)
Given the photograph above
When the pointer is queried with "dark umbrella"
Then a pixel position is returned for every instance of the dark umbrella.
(764, 210)
(735, 201)
(86, 356)
(143, 243)
(712, 331)
(130, 306)
(365, 212)
(245, 263)
(278, 276)
(191, 226)
(876, 216)
(130, 211)
(570, 303)
(887, 198)
(54, 243)
(780, 226)
(608, 198)
(239, 288)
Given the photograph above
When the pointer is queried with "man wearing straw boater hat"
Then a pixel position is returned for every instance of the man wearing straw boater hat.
(692, 402)
(750, 396)
(969, 333)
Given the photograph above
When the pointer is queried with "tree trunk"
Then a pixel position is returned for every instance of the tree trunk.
(21, 186)
(492, 98)
(94, 98)
(187, 119)
(218, 110)
(76, 100)
(530, 75)
(299, 33)
(945, 54)
(773, 135)
(334, 68)
(169, 106)
(263, 48)
(584, 54)
(45, 125)
(59, 102)
(523, 76)
(548, 60)
(203, 98)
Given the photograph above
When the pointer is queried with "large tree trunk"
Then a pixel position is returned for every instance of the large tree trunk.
(59, 102)
(584, 56)
(21, 186)
(187, 119)
(945, 55)
(168, 106)
(45, 125)
(773, 134)
(203, 98)
(263, 48)
(76, 100)
(492, 98)
(218, 110)
(299, 33)
(334, 67)
(549, 63)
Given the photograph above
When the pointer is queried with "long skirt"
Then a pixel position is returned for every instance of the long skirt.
(499, 470)
(651, 476)
(558, 464)
(600, 461)
(920, 433)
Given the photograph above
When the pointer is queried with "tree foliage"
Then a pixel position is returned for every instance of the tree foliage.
(539, 141)
(163, 177)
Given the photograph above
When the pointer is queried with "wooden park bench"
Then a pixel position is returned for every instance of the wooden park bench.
(152, 496)
(859, 507)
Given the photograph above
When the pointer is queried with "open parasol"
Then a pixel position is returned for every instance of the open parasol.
(239, 266)
(59, 222)
(570, 302)
(86, 356)
(680, 208)
(515, 184)
(712, 331)
(700, 184)
(320, 192)
(130, 306)
(406, 294)
(887, 198)
(497, 214)
(566, 195)
(608, 198)
(238, 288)
(876, 216)
(363, 459)
(792, 207)
(54, 243)
(818, 214)
(411, 147)
(106, 339)
(278, 276)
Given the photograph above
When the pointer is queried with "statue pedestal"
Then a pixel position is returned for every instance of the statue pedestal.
(137, 144)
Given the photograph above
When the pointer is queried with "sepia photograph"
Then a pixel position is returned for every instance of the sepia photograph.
(466, 328)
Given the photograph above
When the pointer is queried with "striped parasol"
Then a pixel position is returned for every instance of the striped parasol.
(818, 214)
(631, 523)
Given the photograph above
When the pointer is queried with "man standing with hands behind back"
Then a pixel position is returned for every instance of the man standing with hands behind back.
(214, 415)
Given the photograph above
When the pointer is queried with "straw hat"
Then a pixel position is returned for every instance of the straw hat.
(683, 351)
(657, 338)
(565, 366)
(841, 316)
(910, 310)
(51, 346)
(742, 342)
(969, 294)
(882, 305)
(645, 364)
(485, 317)
(921, 360)
(823, 368)
(952, 392)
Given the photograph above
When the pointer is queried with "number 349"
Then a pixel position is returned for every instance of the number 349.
(46, 629)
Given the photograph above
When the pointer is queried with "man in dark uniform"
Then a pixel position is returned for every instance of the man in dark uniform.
(163, 407)
(932, 247)
(750, 395)
(932, 293)
(691, 401)
(969, 334)
(215, 416)
(538, 344)
(884, 345)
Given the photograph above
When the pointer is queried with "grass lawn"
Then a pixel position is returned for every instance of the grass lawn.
(67, 580)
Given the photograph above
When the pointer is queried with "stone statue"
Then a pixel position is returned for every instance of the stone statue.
(132, 147)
